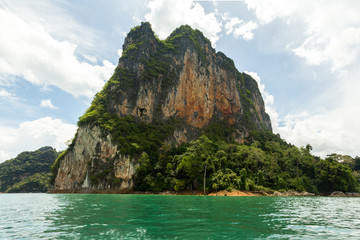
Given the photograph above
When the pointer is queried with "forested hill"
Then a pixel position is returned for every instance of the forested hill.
(28, 172)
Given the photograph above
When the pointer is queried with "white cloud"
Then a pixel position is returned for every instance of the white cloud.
(231, 23)
(332, 131)
(4, 156)
(167, 15)
(7, 96)
(332, 28)
(267, 11)
(238, 28)
(119, 52)
(27, 50)
(46, 103)
(55, 19)
(330, 39)
(31, 135)
(335, 131)
(91, 59)
(340, 48)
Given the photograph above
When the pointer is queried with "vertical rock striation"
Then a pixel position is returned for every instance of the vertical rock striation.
(83, 166)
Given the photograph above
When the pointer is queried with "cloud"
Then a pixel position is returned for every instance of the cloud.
(119, 52)
(167, 15)
(238, 28)
(91, 59)
(46, 103)
(267, 11)
(340, 48)
(334, 130)
(54, 17)
(330, 40)
(27, 50)
(31, 135)
(333, 35)
(4, 156)
(7, 96)
(332, 28)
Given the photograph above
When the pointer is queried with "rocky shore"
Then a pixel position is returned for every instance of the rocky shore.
(342, 194)
(234, 193)
(261, 193)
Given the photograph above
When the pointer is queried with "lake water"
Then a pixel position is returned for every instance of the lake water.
(82, 216)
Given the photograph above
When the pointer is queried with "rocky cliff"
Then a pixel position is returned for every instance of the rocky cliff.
(183, 77)
(162, 92)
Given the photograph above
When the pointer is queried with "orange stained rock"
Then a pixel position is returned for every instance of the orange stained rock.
(198, 94)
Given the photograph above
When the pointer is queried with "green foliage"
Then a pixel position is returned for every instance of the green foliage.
(335, 176)
(357, 163)
(186, 31)
(38, 182)
(133, 138)
(265, 165)
(227, 63)
(132, 47)
(218, 130)
(19, 174)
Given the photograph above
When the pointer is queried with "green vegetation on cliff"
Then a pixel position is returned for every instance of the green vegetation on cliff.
(28, 172)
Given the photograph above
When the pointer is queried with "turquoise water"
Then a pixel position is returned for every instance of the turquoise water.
(81, 216)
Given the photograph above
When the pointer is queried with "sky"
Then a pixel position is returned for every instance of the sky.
(305, 56)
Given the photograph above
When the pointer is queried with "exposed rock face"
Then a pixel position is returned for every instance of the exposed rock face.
(292, 194)
(182, 77)
(197, 84)
(352, 194)
(91, 149)
(198, 95)
(338, 194)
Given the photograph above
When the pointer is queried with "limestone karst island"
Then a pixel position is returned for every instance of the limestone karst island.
(178, 116)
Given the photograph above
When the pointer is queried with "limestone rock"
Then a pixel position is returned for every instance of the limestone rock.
(337, 194)
(352, 194)
(292, 193)
(180, 78)
(187, 79)
(81, 168)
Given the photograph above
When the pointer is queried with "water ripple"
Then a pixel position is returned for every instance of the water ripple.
(77, 216)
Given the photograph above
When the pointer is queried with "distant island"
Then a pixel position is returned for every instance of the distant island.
(28, 172)
(178, 117)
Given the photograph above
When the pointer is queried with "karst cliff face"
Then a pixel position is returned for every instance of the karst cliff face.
(183, 77)
(182, 82)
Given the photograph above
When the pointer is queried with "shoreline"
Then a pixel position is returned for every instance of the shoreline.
(234, 193)
(174, 193)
